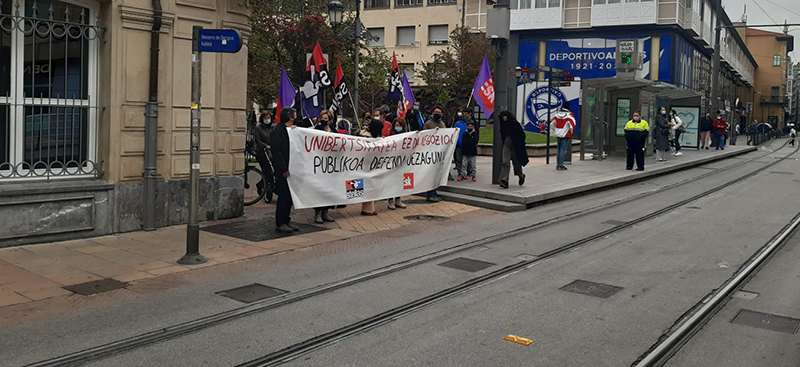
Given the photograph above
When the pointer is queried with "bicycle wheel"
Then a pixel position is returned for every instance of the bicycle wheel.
(254, 183)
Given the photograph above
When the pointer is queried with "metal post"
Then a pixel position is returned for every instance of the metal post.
(549, 103)
(715, 59)
(193, 228)
(357, 36)
(149, 181)
(501, 104)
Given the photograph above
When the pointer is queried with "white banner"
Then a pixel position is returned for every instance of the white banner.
(333, 169)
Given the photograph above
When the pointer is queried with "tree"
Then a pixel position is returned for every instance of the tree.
(452, 72)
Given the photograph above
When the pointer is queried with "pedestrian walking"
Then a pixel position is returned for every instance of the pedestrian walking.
(661, 133)
(562, 127)
(461, 125)
(279, 140)
(792, 135)
(469, 152)
(706, 125)
(752, 132)
(375, 130)
(435, 122)
(678, 128)
(514, 153)
(636, 132)
(720, 128)
(400, 127)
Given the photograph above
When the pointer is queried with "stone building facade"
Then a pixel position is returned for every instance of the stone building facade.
(74, 80)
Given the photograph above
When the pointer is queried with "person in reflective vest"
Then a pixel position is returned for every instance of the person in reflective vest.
(636, 132)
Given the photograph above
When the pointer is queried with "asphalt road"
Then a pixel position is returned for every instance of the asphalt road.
(661, 268)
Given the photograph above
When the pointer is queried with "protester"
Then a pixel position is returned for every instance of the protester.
(367, 120)
(469, 152)
(461, 125)
(435, 122)
(562, 127)
(706, 125)
(326, 118)
(678, 128)
(380, 115)
(415, 119)
(636, 132)
(661, 133)
(261, 135)
(513, 137)
(720, 127)
(399, 128)
(280, 154)
(343, 126)
(375, 130)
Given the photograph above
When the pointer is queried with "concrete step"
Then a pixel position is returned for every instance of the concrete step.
(503, 206)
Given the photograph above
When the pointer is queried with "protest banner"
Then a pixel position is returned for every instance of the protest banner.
(334, 169)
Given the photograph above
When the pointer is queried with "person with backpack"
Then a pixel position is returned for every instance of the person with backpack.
(677, 129)
(562, 127)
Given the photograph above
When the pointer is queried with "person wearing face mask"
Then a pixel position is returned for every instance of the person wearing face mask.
(514, 152)
(280, 153)
(367, 119)
(706, 125)
(661, 133)
(416, 119)
(636, 132)
(262, 135)
(435, 122)
(469, 152)
(325, 120)
(461, 125)
(677, 129)
(400, 127)
(720, 129)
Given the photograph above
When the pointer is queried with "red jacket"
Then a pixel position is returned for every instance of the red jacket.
(387, 129)
(720, 126)
(564, 124)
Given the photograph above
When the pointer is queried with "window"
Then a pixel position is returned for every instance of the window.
(48, 110)
(438, 35)
(776, 60)
(614, 1)
(776, 91)
(376, 4)
(440, 2)
(514, 4)
(409, 70)
(403, 3)
(599, 2)
(405, 36)
(524, 4)
(553, 3)
(540, 4)
(377, 32)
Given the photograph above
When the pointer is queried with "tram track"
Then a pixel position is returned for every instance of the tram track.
(141, 340)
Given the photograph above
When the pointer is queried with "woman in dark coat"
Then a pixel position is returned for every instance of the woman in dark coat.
(661, 132)
(513, 137)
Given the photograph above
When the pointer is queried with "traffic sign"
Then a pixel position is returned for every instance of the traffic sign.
(219, 40)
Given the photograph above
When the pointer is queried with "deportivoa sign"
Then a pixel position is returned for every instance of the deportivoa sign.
(334, 169)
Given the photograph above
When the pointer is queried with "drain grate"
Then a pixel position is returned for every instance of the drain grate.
(781, 172)
(251, 293)
(425, 217)
(96, 286)
(767, 321)
(470, 265)
(256, 230)
(745, 295)
(615, 222)
(591, 288)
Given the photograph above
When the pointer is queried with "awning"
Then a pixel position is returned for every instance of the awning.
(659, 88)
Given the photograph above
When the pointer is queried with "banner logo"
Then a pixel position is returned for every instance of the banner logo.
(537, 106)
(408, 181)
(355, 188)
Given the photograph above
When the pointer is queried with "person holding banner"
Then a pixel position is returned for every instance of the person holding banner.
(400, 127)
(435, 122)
(514, 152)
(416, 119)
(375, 130)
(280, 162)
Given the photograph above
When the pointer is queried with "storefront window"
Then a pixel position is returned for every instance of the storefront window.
(48, 107)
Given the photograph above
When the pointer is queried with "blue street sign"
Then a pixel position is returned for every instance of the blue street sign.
(219, 40)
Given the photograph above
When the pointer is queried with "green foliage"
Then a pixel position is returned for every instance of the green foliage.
(452, 72)
(487, 136)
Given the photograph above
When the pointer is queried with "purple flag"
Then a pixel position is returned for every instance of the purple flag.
(407, 92)
(483, 90)
(286, 94)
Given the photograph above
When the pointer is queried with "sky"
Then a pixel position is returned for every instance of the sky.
(779, 10)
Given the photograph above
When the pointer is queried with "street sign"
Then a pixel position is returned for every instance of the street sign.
(219, 40)
(526, 70)
(627, 55)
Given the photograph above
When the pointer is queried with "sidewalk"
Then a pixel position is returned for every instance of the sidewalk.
(544, 183)
(38, 272)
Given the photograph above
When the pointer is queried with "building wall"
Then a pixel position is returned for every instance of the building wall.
(764, 46)
(421, 17)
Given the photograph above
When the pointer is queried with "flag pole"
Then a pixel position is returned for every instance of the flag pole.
(355, 111)
(470, 100)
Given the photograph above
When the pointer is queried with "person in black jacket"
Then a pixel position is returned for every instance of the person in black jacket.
(513, 137)
(706, 125)
(469, 151)
(280, 162)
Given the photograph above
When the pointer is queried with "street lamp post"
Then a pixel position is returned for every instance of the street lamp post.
(523, 76)
(335, 11)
